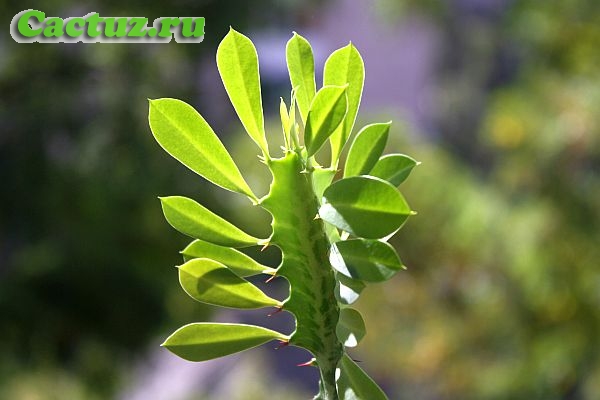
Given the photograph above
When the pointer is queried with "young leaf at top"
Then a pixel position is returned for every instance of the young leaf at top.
(325, 114)
(186, 136)
(211, 282)
(367, 260)
(238, 262)
(366, 149)
(354, 384)
(192, 219)
(394, 168)
(345, 66)
(237, 62)
(351, 327)
(365, 206)
(301, 66)
(206, 341)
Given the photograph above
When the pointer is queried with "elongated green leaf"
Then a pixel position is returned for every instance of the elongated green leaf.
(345, 66)
(354, 384)
(326, 112)
(394, 168)
(194, 220)
(347, 289)
(186, 136)
(211, 282)
(366, 149)
(205, 341)
(367, 260)
(365, 206)
(285, 122)
(237, 62)
(351, 327)
(301, 66)
(238, 262)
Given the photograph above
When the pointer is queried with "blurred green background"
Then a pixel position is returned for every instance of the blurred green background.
(499, 99)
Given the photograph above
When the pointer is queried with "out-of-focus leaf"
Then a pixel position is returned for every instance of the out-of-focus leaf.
(393, 168)
(367, 260)
(345, 66)
(235, 260)
(211, 282)
(186, 136)
(194, 220)
(351, 327)
(237, 62)
(204, 341)
(365, 206)
(354, 384)
(366, 149)
(301, 66)
(326, 112)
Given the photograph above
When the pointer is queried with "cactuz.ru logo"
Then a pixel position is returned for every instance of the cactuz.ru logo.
(34, 26)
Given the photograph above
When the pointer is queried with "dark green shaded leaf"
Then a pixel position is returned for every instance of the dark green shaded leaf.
(206, 341)
(194, 220)
(211, 282)
(394, 168)
(365, 206)
(347, 289)
(351, 327)
(366, 149)
(354, 384)
(367, 260)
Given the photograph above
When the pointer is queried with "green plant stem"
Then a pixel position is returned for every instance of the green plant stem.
(304, 244)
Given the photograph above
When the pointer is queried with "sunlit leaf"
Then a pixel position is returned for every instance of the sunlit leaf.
(206, 341)
(237, 62)
(393, 168)
(347, 289)
(185, 135)
(326, 112)
(351, 327)
(365, 206)
(366, 149)
(211, 282)
(235, 260)
(321, 178)
(354, 384)
(345, 66)
(301, 66)
(192, 219)
(367, 260)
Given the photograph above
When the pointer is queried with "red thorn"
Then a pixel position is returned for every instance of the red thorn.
(271, 278)
(278, 310)
(282, 343)
(309, 363)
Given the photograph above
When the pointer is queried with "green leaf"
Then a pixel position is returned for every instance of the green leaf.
(205, 341)
(345, 66)
(301, 65)
(192, 219)
(367, 260)
(326, 112)
(347, 290)
(237, 62)
(351, 327)
(365, 206)
(394, 168)
(285, 122)
(211, 282)
(186, 136)
(321, 178)
(366, 149)
(235, 260)
(354, 384)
